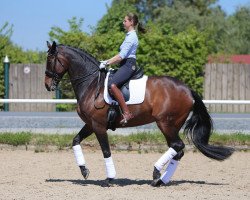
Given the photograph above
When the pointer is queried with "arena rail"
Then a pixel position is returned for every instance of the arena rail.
(72, 101)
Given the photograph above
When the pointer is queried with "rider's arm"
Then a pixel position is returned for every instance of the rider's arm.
(116, 59)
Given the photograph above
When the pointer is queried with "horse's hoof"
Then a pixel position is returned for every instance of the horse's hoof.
(157, 183)
(85, 172)
(107, 182)
(156, 174)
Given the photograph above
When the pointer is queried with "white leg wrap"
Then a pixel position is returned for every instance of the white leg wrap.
(79, 155)
(167, 175)
(165, 158)
(110, 167)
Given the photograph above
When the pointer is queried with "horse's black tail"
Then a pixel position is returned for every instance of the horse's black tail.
(199, 128)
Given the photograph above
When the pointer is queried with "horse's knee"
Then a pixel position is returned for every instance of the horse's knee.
(76, 140)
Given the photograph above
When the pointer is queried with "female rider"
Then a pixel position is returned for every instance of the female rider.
(127, 59)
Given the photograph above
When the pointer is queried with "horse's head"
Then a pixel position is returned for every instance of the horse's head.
(56, 67)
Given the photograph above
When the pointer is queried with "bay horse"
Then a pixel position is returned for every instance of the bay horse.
(168, 102)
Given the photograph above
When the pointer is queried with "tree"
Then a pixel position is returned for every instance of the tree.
(237, 36)
(74, 37)
(182, 56)
(112, 21)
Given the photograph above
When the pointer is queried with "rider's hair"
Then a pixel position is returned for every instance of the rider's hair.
(133, 17)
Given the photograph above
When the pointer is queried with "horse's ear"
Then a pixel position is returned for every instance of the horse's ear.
(48, 45)
(53, 47)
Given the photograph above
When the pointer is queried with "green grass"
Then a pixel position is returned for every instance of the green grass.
(230, 139)
(17, 139)
(60, 141)
(154, 138)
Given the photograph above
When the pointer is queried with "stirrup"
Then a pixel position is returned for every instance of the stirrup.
(124, 121)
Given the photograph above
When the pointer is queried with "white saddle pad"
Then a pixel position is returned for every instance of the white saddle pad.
(137, 90)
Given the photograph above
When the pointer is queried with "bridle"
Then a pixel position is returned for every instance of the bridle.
(56, 77)
(52, 74)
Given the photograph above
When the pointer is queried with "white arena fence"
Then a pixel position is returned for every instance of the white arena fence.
(73, 101)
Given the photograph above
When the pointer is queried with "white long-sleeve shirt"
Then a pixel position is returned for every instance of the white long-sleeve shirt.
(129, 46)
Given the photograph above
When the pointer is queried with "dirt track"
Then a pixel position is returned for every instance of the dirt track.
(28, 175)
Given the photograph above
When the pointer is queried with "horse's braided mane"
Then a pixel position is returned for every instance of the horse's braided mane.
(82, 52)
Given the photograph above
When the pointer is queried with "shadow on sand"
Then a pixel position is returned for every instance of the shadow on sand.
(126, 182)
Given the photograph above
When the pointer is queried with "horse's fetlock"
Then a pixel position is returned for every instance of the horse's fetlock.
(76, 140)
(179, 155)
(106, 154)
(178, 146)
(156, 174)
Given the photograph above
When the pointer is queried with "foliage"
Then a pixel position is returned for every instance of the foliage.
(74, 37)
(112, 21)
(237, 34)
(182, 56)
(226, 34)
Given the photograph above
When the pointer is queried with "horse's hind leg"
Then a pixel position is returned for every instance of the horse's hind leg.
(172, 156)
(84, 133)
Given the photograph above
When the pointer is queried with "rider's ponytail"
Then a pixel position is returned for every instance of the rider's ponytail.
(133, 17)
(141, 28)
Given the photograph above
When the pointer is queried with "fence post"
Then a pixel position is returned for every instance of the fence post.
(58, 96)
(6, 81)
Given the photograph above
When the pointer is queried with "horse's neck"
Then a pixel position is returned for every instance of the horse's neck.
(81, 83)
(82, 72)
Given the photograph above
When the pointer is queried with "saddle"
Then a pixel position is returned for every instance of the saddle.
(114, 109)
(125, 88)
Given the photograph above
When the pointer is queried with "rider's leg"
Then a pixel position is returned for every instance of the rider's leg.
(122, 75)
(127, 115)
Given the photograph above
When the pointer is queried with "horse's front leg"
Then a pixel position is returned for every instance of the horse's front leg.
(84, 133)
(102, 138)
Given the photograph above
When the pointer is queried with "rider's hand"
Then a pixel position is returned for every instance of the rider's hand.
(103, 64)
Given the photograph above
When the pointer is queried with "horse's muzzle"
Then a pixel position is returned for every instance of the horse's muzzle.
(47, 87)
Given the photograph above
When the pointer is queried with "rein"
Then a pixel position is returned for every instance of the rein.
(98, 91)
